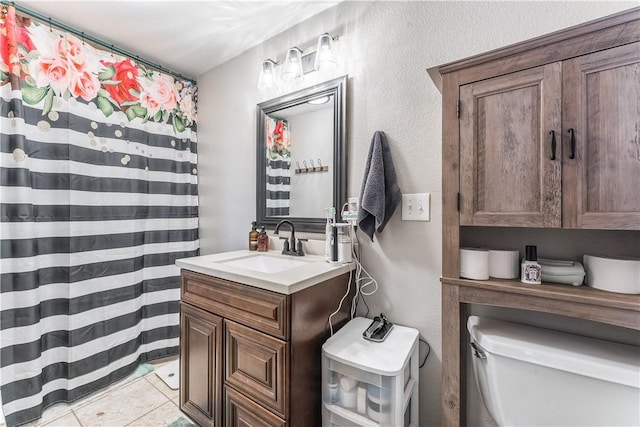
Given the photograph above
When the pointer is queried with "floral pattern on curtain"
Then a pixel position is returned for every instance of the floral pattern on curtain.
(98, 198)
(278, 166)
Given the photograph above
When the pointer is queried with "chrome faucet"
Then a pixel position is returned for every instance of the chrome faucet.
(290, 247)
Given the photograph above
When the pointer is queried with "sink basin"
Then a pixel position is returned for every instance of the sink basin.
(271, 270)
(265, 263)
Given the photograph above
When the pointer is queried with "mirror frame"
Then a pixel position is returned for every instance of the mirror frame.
(336, 87)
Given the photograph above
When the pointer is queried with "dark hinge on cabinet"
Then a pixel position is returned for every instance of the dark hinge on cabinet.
(458, 202)
(458, 109)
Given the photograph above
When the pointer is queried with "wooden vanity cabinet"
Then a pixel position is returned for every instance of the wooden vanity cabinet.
(552, 145)
(500, 113)
(251, 357)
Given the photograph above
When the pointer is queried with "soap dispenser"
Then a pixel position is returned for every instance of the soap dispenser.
(263, 240)
(253, 237)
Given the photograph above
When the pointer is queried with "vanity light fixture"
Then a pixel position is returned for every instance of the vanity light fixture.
(297, 64)
(325, 60)
(267, 79)
(292, 70)
(318, 101)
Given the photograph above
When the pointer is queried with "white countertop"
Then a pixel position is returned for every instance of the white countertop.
(306, 271)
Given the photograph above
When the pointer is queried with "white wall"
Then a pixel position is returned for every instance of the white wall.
(385, 49)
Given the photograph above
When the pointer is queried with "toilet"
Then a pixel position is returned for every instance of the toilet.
(529, 376)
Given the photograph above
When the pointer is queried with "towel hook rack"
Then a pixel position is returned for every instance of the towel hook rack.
(310, 167)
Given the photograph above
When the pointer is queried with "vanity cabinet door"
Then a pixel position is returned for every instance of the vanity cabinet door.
(509, 173)
(602, 109)
(200, 365)
(243, 412)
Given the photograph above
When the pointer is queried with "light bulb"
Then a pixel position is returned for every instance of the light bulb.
(292, 69)
(267, 79)
(325, 61)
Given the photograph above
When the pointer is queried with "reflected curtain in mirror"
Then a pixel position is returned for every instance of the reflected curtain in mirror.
(278, 166)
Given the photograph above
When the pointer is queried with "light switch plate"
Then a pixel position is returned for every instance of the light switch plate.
(416, 207)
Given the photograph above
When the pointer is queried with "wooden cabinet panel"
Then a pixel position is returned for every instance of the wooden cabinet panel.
(257, 365)
(602, 108)
(200, 368)
(243, 412)
(263, 310)
(509, 173)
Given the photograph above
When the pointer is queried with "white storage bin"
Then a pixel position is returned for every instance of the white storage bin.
(369, 383)
(333, 419)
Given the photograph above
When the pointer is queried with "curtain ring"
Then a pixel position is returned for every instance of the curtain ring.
(112, 50)
(83, 38)
(50, 26)
(319, 163)
(313, 166)
(298, 164)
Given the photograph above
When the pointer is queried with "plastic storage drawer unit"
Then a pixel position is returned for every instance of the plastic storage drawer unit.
(367, 383)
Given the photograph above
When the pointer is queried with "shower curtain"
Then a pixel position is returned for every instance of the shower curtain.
(278, 166)
(98, 198)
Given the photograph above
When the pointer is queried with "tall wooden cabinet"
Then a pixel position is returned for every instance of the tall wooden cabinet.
(554, 146)
(544, 133)
(252, 357)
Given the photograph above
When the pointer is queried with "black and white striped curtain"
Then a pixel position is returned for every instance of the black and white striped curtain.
(278, 166)
(278, 187)
(98, 198)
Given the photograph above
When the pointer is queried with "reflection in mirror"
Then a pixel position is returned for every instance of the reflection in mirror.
(288, 188)
(300, 156)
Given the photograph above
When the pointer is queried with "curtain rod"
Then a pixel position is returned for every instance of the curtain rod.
(47, 20)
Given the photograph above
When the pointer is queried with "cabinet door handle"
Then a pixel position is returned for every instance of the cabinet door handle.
(572, 137)
(553, 144)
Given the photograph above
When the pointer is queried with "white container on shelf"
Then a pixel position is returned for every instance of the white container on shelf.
(387, 370)
(620, 275)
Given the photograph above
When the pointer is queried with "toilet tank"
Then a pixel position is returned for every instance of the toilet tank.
(529, 376)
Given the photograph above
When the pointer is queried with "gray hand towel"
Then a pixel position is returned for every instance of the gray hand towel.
(380, 194)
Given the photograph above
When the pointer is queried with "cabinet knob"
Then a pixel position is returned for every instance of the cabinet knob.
(572, 138)
(553, 144)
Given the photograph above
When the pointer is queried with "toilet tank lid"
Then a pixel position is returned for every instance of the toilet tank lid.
(596, 358)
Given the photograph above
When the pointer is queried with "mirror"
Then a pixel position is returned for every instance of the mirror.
(301, 156)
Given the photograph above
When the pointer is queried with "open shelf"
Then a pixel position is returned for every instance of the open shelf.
(575, 301)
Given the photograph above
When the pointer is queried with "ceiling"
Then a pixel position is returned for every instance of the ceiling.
(188, 37)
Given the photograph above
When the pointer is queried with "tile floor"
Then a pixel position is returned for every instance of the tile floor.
(133, 402)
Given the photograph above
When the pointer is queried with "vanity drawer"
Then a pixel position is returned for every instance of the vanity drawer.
(260, 309)
(257, 365)
(241, 411)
